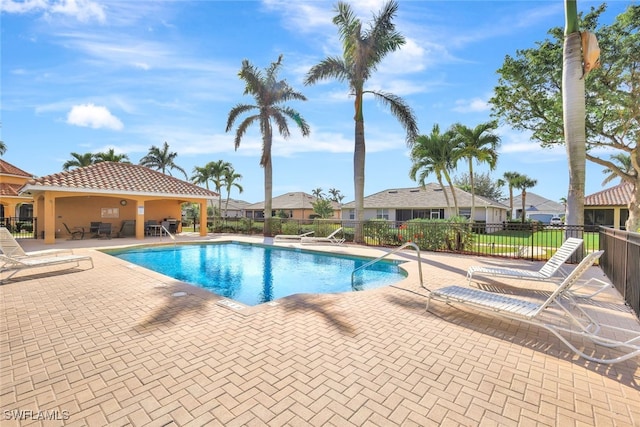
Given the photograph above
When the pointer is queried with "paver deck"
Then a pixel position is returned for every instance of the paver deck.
(119, 345)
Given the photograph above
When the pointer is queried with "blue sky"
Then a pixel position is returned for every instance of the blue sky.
(89, 75)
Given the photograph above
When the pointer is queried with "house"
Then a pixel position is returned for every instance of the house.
(13, 204)
(537, 208)
(235, 208)
(296, 205)
(110, 192)
(609, 207)
(402, 204)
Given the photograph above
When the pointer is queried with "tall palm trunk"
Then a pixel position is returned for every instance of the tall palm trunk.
(573, 114)
(359, 153)
(473, 191)
(453, 192)
(268, 185)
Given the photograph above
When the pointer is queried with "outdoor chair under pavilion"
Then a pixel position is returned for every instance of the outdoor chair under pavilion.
(569, 319)
(76, 233)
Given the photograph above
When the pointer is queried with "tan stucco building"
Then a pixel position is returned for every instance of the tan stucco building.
(110, 192)
(13, 204)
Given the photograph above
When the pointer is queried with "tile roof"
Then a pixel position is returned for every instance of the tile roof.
(235, 205)
(121, 178)
(7, 168)
(620, 195)
(431, 196)
(294, 200)
(9, 190)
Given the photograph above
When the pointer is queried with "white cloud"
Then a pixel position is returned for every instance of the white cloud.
(473, 105)
(94, 116)
(82, 10)
(27, 6)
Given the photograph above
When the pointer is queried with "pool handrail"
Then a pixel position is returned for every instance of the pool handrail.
(166, 231)
(413, 245)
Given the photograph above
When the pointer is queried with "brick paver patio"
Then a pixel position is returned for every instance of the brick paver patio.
(118, 345)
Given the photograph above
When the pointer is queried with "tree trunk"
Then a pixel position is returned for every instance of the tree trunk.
(359, 153)
(633, 222)
(473, 191)
(268, 184)
(573, 114)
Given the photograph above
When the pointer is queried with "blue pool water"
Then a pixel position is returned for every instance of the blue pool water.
(255, 274)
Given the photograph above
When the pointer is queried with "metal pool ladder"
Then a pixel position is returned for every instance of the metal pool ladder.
(166, 231)
(373, 261)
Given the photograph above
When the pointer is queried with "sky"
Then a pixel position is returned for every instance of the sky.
(90, 75)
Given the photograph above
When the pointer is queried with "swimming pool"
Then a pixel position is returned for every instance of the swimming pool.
(254, 274)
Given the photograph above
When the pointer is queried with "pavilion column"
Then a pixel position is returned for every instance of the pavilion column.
(49, 218)
(203, 218)
(139, 219)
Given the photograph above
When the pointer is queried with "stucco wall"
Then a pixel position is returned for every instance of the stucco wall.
(81, 211)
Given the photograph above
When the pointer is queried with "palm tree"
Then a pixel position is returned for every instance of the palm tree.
(202, 175)
(522, 183)
(111, 156)
(479, 144)
(362, 53)
(230, 178)
(161, 159)
(335, 194)
(217, 172)
(269, 94)
(511, 179)
(573, 114)
(78, 161)
(621, 161)
(317, 193)
(3, 148)
(433, 154)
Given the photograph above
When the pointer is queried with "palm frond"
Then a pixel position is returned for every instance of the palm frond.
(235, 112)
(331, 67)
(242, 128)
(402, 111)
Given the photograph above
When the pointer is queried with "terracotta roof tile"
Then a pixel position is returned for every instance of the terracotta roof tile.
(118, 177)
(614, 196)
(7, 168)
(9, 190)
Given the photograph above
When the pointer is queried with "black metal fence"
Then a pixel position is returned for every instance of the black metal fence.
(21, 228)
(530, 241)
(621, 263)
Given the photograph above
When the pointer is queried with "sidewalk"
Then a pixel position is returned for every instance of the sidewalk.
(119, 345)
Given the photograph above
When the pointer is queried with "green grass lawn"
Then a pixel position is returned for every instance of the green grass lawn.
(542, 238)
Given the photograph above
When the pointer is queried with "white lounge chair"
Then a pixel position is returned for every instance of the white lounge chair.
(11, 248)
(551, 270)
(289, 237)
(16, 264)
(331, 238)
(573, 319)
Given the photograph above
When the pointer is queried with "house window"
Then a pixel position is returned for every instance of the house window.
(352, 214)
(382, 213)
(420, 213)
(465, 212)
(435, 214)
(403, 214)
